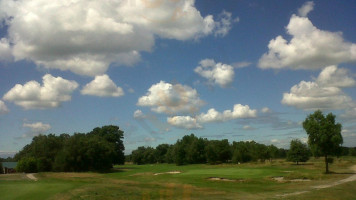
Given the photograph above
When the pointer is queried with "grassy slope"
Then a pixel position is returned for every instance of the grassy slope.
(252, 181)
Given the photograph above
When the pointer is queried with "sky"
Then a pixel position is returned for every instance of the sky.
(161, 69)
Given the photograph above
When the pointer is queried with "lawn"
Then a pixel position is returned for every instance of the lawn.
(165, 181)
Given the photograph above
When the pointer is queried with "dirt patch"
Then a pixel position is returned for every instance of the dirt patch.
(224, 179)
(278, 178)
(300, 180)
(281, 179)
(172, 172)
(292, 194)
(32, 177)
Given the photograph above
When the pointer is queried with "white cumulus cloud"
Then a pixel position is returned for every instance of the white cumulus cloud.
(33, 95)
(85, 37)
(306, 8)
(3, 108)
(239, 111)
(171, 99)
(216, 73)
(212, 116)
(138, 114)
(335, 77)
(266, 110)
(38, 127)
(35, 129)
(323, 93)
(185, 122)
(102, 86)
(309, 47)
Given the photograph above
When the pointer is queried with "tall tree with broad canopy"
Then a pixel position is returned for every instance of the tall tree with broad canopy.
(113, 135)
(298, 152)
(324, 135)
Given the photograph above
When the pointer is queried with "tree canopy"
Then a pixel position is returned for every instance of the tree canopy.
(193, 150)
(324, 135)
(298, 152)
(96, 151)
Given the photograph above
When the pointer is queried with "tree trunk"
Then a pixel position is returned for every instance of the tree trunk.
(326, 164)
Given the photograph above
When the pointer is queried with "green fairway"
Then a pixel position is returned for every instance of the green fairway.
(165, 181)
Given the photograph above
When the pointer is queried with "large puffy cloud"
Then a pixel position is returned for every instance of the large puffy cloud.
(323, 93)
(171, 99)
(335, 77)
(32, 95)
(187, 122)
(85, 37)
(3, 108)
(217, 73)
(102, 86)
(309, 47)
(239, 111)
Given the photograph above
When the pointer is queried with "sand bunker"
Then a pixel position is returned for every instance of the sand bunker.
(172, 172)
(223, 179)
(281, 179)
(32, 177)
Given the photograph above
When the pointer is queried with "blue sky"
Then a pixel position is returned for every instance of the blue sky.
(240, 70)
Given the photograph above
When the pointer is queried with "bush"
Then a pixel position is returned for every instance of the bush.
(27, 165)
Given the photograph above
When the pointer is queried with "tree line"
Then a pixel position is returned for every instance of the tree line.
(97, 150)
(101, 148)
(193, 150)
(324, 140)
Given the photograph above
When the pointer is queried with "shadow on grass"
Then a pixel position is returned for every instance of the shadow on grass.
(116, 170)
(302, 164)
(349, 173)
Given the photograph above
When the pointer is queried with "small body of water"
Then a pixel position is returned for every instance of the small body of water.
(9, 164)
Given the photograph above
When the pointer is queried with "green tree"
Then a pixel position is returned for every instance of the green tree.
(241, 152)
(324, 135)
(272, 152)
(143, 155)
(1, 169)
(352, 151)
(298, 152)
(160, 152)
(114, 135)
(218, 151)
(169, 158)
(189, 150)
(27, 165)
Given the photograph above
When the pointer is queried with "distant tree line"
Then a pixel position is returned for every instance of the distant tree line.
(193, 150)
(97, 150)
(8, 159)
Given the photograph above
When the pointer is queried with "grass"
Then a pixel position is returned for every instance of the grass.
(245, 181)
